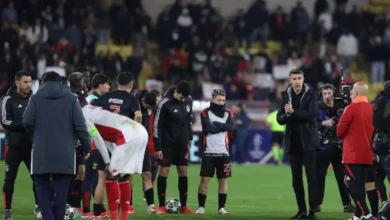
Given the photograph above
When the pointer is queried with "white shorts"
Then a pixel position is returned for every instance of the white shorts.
(128, 158)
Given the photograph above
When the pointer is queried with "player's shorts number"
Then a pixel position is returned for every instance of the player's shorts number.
(116, 108)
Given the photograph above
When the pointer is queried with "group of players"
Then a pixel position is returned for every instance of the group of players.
(121, 146)
(169, 124)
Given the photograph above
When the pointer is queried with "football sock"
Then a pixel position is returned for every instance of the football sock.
(86, 193)
(78, 184)
(86, 201)
(97, 209)
(183, 189)
(125, 189)
(275, 153)
(149, 196)
(221, 200)
(113, 198)
(202, 200)
(281, 155)
(71, 194)
(374, 201)
(161, 189)
(131, 196)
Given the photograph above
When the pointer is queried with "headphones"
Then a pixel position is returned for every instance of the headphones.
(328, 86)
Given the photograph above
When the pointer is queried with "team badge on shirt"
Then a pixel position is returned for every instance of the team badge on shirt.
(188, 108)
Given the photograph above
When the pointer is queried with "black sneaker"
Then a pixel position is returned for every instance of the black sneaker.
(312, 214)
(349, 208)
(299, 215)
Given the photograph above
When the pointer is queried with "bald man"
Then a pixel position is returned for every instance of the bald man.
(356, 129)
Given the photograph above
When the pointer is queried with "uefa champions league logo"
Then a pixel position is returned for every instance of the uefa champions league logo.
(256, 153)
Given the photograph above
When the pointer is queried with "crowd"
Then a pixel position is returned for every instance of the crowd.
(196, 42)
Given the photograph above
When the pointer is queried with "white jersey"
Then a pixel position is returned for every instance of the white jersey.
(109, 130)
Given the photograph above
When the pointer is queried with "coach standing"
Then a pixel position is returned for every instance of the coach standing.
(298, 111)
(356, 129)
(55, 118)
(18, 144)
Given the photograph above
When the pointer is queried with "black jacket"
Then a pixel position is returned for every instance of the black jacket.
(55, 116)
(382, 112)
(306, 114)
(173, 122)
(13, 107)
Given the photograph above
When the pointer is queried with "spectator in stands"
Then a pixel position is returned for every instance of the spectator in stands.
(240, 25)
(377, 55)
(319, 7)
(37, 33)
(122, 19)
(184, 22)
(9, 36)
(164, 28)
(257, 16)
(300, 21)
(10, 13)
(47, 16)
(294, 62)
(347, 48)
(327, 20)
(278, 23)
(142, 28)
(74, 35)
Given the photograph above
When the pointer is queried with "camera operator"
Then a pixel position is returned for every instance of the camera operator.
(381, 120)
(330, 151)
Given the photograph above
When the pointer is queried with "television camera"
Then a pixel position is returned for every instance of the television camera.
(328, 134)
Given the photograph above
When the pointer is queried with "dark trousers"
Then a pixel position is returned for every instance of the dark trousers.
(384, 162)
(356, 179)
(324, 158)
(383, 172)
(297, 161)
(13, 159)
(60, 183)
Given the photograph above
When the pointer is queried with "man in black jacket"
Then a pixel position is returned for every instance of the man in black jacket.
(18, 143)
(172, 131)
(54, 117)
(298, 111)
(382, 137)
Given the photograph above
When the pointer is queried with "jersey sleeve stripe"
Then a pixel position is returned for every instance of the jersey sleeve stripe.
(4, 111)
(157, 116)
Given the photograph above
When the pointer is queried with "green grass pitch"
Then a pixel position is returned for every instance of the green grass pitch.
(255, 192)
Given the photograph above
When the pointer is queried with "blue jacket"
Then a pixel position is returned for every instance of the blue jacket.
(55, 116)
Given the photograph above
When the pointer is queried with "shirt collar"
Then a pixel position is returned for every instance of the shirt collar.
(360, 99)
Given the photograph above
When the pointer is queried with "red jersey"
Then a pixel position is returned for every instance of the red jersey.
(356, 128)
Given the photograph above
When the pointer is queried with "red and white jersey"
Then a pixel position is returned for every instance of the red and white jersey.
(109, 125)
(108, 129)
